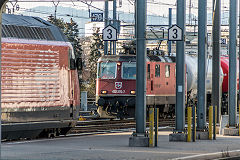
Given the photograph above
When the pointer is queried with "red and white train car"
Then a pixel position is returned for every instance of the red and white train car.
(116, 84)
(40, 88)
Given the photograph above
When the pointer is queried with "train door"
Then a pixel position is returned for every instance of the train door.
(148, 78)
(72, 81)
(169, 82)
(157, 78)
(167, 68)
(152, 78)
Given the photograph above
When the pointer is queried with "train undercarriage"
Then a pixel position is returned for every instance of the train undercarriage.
(124, 107)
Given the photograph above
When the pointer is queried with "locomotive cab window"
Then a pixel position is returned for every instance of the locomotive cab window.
(157, 70)
(72, 61)
(129, 70)
(108, 70)
(98, 70)
(167, 71)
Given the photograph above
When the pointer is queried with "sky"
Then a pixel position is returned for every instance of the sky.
(157, 7)
(154, 7)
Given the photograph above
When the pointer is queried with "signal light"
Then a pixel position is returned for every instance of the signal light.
(104, 92)
(133, 92)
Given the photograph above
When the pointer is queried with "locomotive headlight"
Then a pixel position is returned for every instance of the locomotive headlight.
(132, 92)
(104, 92)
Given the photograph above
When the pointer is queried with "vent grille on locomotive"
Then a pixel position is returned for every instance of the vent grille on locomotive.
(27, 32)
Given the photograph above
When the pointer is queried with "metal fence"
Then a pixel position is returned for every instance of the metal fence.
(91, 104)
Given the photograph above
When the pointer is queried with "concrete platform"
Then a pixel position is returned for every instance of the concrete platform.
(224, 121)
(178, 137)
(202, 135)
(138, 141)
(115, 147)
(230, 131)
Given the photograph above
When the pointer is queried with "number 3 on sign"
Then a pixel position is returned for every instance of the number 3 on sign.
(175, 33)
(110, 33)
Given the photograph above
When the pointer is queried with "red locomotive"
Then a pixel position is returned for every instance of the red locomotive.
(40, 88)
(116, 83)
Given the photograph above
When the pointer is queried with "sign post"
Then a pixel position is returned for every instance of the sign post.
(140, 138)
(109, 33)
(175, 33)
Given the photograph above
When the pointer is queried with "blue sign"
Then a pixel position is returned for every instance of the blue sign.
(223, 41)
(96, 17)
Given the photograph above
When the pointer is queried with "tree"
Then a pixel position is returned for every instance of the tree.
(95, 54)
(72, 33)
(58, 22)
(70, 30)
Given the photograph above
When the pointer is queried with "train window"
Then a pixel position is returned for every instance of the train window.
(72, 61)
(148, 71)
(167, 71)
(98, 70)
(129, 70)
(157, 70)
(108, 70)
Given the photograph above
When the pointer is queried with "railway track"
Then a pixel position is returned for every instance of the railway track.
(106, 126)
(103, 126)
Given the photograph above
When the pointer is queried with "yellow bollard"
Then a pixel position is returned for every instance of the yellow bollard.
(210, 126)
(81, 118)
(151, 126)
(189, 119)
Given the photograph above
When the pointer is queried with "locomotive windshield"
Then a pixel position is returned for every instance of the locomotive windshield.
(128, 70)
(107, 70)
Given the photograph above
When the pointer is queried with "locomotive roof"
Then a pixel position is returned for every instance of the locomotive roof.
(117, 58)
(27, 27)
(132, 58)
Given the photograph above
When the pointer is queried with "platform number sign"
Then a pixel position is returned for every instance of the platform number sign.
(110, 33)
(96, 17)
(175, 33)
